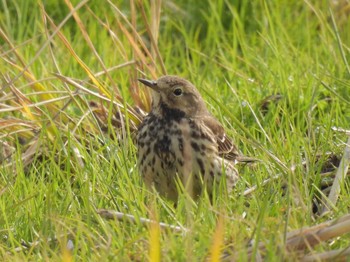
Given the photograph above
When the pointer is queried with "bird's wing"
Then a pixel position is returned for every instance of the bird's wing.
(226, 148)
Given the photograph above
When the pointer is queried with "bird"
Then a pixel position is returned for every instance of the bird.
(181, 145)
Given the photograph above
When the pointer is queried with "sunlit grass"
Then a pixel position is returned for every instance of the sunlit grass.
(70, 104)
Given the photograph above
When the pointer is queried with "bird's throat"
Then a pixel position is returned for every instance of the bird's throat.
(171, 113)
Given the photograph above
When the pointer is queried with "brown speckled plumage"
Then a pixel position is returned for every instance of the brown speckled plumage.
(180, 141)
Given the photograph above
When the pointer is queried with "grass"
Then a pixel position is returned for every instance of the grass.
(68, 111)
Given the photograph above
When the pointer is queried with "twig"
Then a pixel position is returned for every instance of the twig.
(112, 214)
(312, 236)
(338, 255)
(341, 130)
(339, 178)
(253, 188)
(305, 239)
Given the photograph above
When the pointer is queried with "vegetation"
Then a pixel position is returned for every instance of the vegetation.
(276, 73)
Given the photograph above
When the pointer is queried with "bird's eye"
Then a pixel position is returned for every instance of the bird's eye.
(177, 92)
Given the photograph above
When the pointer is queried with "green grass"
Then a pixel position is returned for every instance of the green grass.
(67, 162)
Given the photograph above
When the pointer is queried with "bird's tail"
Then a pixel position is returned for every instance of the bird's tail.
(246, 159)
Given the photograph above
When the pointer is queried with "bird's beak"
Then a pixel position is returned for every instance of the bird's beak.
(150, 83)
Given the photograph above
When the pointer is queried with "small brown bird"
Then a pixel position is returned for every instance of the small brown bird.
(180, 141)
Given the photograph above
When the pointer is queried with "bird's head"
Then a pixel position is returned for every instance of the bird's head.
(176, 93)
